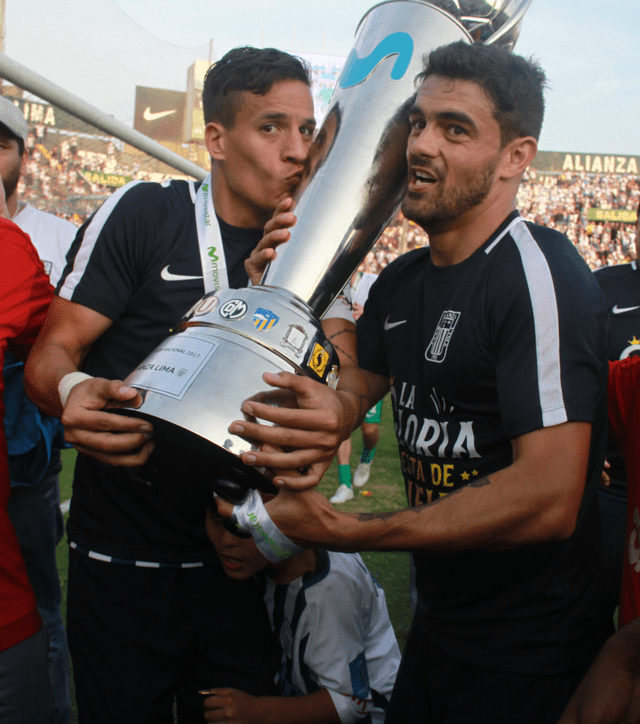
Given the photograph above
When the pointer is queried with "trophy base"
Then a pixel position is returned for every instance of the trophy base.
(193, 385)
(181, 454)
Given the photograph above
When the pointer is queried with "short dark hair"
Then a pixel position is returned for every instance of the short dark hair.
(513, 83)
(8, 133)
(247, 69)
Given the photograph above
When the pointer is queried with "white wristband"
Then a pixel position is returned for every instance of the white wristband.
(252, 517)
(68, 382)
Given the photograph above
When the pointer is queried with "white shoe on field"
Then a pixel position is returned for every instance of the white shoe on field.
(342, 494)
(361, 474)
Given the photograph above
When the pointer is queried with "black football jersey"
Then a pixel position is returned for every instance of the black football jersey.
(510, 340)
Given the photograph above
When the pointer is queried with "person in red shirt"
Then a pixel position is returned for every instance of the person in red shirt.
(624, 422)
(25, 687)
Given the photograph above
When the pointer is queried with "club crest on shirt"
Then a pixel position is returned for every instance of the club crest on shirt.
(437, 349)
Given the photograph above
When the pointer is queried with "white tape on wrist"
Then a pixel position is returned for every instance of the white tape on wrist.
(68, 382)
(252, 517)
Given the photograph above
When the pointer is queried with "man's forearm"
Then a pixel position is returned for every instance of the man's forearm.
(528, 502)
(470, 517)
(475, 516)
(235, 705)
(46, 366)
(315, 708)
(357, 395)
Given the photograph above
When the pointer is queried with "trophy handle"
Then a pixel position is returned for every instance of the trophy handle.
(507, 34)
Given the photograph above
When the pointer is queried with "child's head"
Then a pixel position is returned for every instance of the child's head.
(239, 556)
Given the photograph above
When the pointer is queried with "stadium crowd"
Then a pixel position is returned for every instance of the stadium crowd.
(559, 202)
(66, 179)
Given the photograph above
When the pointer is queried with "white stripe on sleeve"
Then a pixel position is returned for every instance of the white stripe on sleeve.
(546, 325)
(89, 240)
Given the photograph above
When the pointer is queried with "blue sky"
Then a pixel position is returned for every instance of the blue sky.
(101, 49)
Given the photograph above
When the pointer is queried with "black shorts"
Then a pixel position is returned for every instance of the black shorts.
(140, 636)
(433, 687)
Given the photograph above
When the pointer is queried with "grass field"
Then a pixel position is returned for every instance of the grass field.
(387, 493)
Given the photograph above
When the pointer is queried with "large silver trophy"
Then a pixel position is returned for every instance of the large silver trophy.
(195, 382)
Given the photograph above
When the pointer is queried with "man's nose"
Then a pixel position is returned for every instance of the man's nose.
(426, 143)
(297, 147)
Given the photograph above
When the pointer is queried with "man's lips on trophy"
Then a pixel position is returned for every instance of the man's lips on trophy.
(294, 179)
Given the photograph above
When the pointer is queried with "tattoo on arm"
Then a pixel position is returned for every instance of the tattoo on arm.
(386, 516)
(337, 347)
(475, 484)
(378, 516)
(345, 354)
(346, 330)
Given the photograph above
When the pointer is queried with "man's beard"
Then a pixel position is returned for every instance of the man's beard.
(447, 205)
(10, 181)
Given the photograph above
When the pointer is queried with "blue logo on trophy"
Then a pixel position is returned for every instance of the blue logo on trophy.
(264, 319)
(357, 70)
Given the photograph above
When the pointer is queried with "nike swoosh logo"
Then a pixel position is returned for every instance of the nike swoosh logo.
(148, 116)
(622, 310)
(169, 277)
(390, 325)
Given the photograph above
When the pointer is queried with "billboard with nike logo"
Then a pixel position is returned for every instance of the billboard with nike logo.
(159, 113)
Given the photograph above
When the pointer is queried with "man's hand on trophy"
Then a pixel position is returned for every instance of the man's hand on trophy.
(275, 233)
(108, 437)
(309, 435)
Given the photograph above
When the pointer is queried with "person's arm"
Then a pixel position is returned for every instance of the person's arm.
(536, 499)
(312, 432)
(237, 707)
(610, 690)
(67, 335)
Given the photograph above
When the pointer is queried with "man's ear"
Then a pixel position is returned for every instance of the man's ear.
(517, 155)
(214, 140)
(23, 162)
